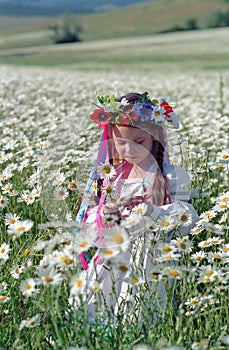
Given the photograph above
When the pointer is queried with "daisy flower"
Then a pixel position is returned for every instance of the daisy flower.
(117, 237)
(184, 218)
(202, 345)
(3, 287)
(121, 266)
(64, 258)
(11, 219)
(84, 240)
(4, 250)
(207, 274)
(30, 322)
(208, 215)
(23, 197)
(20, 227)
(150, 225)
(213, 257)
(166, 248)
(30, 198)
(205, 244)
(183, 244)
(26, 265)
(221, 206)
(195, 231)
(135, 279)
(166, 223)
(155, 275)
(49, 276)
(171, 256)
(7, 188)
(95, 286)
(106, 171)
(172, 272)
(16, 271)
(110, 191)
(192, 303)
(36, 192)
(223, 157)
(153, 239)
(133, 221)
(4, 299)
(216, 229)
(77, 283)
(158, 114)
(3, 202)
(197, 257)
(59, 179)
(72, 186)
(109, 252)
(60, 193)
(28, 287)
(141, 208)
(217, 241)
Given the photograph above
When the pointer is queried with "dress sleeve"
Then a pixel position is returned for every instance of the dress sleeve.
(178, 181)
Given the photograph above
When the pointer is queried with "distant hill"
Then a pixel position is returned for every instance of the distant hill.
(58, 7)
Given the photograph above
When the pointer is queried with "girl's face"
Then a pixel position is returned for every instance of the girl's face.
(133, 144)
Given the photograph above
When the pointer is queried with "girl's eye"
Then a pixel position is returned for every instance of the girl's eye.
(139, 141)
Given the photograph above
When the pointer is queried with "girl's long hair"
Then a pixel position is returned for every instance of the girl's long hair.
(160, 193)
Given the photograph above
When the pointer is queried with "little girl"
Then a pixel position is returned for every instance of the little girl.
(139, 202)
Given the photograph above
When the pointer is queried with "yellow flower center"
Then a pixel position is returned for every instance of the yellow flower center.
(79, 283)
(83, 244)
(135, 280)
(183, 245)
(68, 261)
(108, 190)
(21, 229)
(26, 252)
(118, 238)
(106, 170)
(12, 221)
(173, 273)
(155, 276)
(184, 218)
(108, 252)
(3, 250)
(28, 287)
(48, 279)
(123, 268)
(166, 248)
(165, 223)
(209, 272)
(222, 206)
(2, 297)
(194, 302)
(225, 156)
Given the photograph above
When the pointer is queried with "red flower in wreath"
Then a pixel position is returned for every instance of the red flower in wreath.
(100, 117)
(134, 116)
(167, 107)
(124, 119)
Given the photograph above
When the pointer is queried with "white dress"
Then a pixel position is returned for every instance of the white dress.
(117, 296)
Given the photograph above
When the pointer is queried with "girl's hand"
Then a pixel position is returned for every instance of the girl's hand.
(132, 202)
(111, 210)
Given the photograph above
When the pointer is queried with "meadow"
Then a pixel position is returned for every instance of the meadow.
(48, 147)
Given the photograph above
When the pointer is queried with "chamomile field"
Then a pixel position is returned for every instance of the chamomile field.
(48, 146)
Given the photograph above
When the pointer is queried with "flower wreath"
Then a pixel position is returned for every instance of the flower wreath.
(128, 114)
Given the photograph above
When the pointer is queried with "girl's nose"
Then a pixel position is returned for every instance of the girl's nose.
(130, 148)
